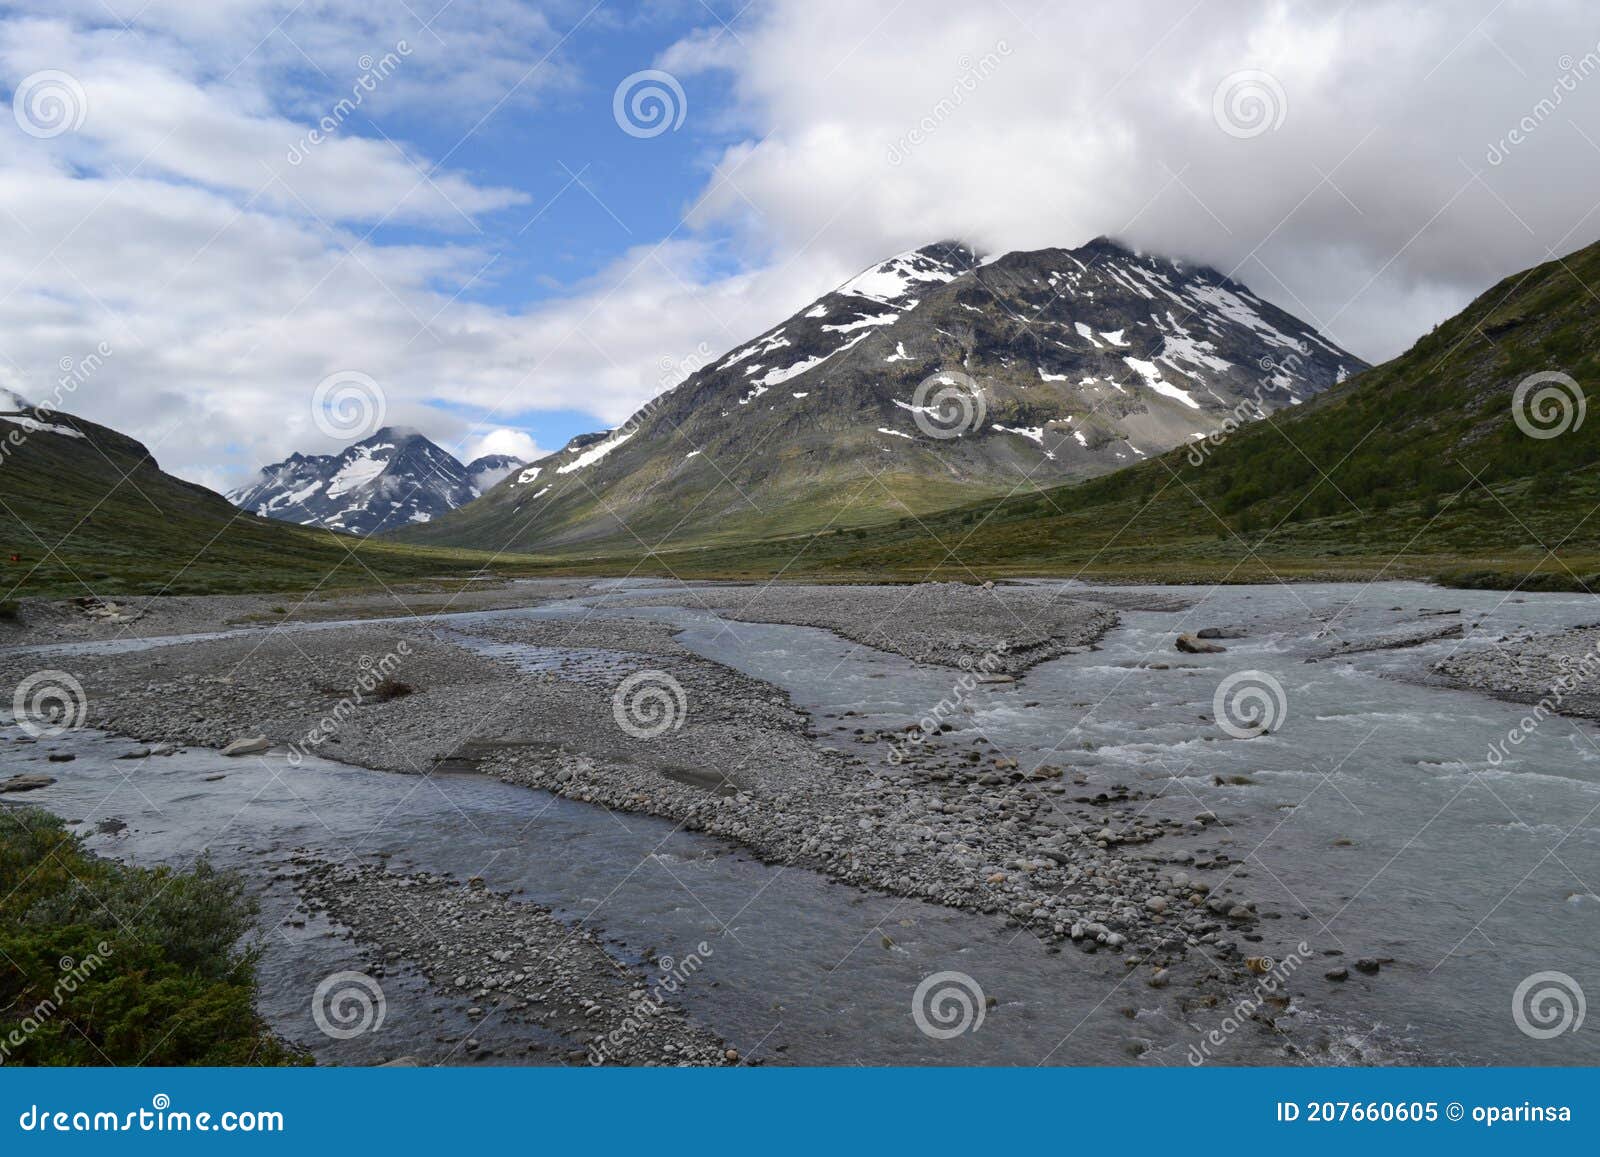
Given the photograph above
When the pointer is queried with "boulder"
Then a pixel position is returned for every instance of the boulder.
(26, 782)
(1220, 633)
(1190, 645)
(253, 746)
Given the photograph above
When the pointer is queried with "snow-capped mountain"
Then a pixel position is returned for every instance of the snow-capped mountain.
(394, 478)
(932, 379)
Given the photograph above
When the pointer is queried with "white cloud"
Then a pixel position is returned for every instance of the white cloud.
(504, 440)
(228, 283)
(1360, 211)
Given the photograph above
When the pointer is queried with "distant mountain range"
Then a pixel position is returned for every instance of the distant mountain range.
(1467, 459)
(394, 478)
(929, 380)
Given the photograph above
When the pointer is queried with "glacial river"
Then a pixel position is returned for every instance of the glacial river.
(1370, 821)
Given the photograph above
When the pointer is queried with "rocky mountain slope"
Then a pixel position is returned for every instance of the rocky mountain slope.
(929, 380)
(1470, 459)
(395, 477)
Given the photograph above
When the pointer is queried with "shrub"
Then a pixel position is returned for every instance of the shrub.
(111, 964)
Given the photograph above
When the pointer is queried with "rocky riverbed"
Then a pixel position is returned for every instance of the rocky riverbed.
(1006, 629)
(612, 711)
(514, 962)
(1561, 669)
(90, 618)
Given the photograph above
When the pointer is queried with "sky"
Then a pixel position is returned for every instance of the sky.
(246, 227)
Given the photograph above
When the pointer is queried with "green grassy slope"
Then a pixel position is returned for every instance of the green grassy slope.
(1413, 469)
(97, 514)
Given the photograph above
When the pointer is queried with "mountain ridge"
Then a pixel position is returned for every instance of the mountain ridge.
(922, 382)
(1466, 460)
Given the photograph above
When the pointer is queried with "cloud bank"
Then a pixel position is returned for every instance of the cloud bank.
(1370, 168)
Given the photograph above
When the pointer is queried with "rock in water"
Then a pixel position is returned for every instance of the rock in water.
(26, 782)
(253, 746)
(1192, 645)
(1220, 633)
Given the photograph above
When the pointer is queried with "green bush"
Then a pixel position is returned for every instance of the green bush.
(116, 965)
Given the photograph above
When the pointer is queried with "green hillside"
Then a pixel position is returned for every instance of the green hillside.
(96, 514)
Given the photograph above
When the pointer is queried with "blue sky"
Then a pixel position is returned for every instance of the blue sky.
(481, 250)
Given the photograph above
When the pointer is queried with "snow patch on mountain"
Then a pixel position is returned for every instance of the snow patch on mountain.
(1151, 373)
(592, 455)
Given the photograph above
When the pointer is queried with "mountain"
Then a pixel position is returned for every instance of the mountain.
(393, 478)
(484, 471)
(1470, 460)
(86, 511)
(928, 380)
